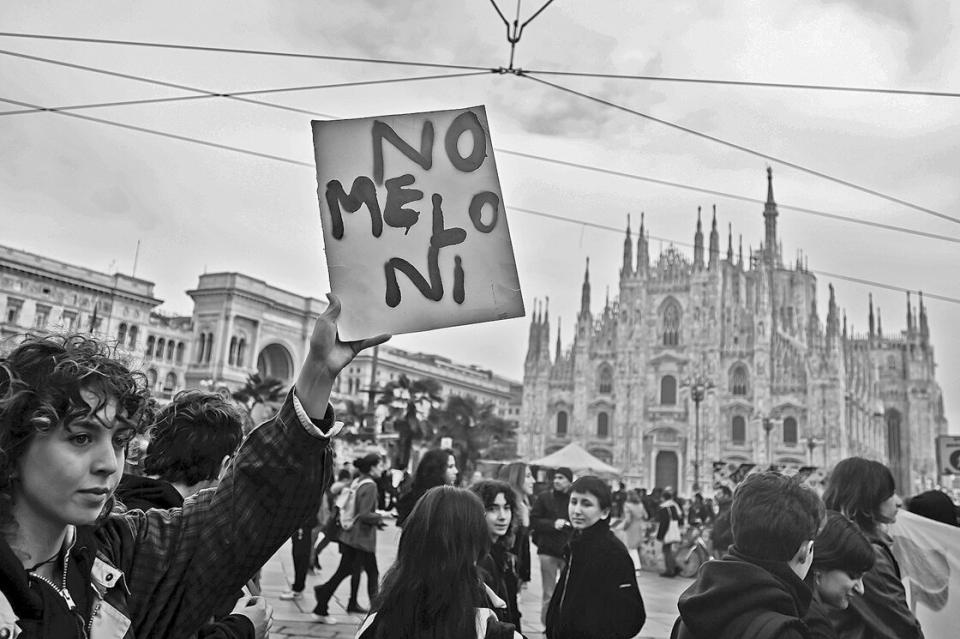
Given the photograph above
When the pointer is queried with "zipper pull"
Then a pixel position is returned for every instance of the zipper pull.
(68, 599)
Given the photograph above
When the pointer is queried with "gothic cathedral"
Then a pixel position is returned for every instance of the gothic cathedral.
(722, 360)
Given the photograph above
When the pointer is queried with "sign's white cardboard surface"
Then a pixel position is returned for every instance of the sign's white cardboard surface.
(414, 226)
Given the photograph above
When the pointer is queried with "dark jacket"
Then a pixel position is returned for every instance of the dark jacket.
(669, 509)
(521, 548)
(499, 571)
(882, 612)
(363, 534)
(159, 573)
(818, 621)
(548, 507)
(732, 593)
(597, 596)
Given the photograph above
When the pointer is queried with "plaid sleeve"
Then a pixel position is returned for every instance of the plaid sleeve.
(185, 562)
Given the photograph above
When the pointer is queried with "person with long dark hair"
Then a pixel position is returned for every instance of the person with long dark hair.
(437, 467)
(520, 477)
(864, 491)
(597, 596)
(841, 556)
(358, 539)
(499, 566)
(434, 588)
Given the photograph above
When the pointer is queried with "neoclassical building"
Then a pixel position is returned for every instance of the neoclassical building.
(721, 359)
(239, 325)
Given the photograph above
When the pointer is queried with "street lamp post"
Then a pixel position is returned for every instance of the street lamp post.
(767, 427)
(811, 445)
(698, 390)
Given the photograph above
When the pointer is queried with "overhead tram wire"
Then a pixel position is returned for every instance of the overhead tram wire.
(848, 278)
(585, 74)
(745, 149)
(282, 54)
(205, 93)
(732, 196)
(746, 83)
(310, 165)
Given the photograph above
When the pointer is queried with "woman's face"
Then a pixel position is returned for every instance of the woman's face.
(835, 587)
(499, 516)
(66, 475)
(452, 471)
(888, 508)
(528, 482)
(585, 511)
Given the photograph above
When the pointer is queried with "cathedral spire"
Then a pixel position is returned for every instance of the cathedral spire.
(714, 242)
(585, 292)
(730, 242)
(643, 251)
(557, 359)
(770, 224)
(627, 269)
(870, 319)
(879, 324)
(533, 339)
(698, 244)
(909, 316)
(832, 320)
(740, 253)
(544, 350)
(924, 328)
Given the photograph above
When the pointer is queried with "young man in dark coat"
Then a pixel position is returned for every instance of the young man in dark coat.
(550, 523)
(757, 589)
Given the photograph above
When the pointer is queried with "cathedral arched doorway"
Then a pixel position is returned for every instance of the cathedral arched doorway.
(666, 470)
(275, 361)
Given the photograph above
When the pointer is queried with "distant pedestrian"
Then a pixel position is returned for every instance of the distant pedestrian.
(597, 596)
(635, 519)
(437, 467)
(520, 477)
(434, 589)
(550, 520)
(499, 565)
(358, 539)
(670, 517)
(864, 490)
(619, 499)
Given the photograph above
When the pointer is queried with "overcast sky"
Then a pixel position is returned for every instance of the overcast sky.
(85, 192)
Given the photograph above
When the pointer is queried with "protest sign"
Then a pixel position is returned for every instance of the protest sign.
(414, 226)
(948, 454)
(929, 556)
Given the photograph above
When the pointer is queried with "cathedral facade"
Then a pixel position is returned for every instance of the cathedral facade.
(722, 361)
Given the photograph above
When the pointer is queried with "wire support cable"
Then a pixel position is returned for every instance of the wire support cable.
(746, 83)
(746, 149)
(310, 165)
(848, 278)
(282, 54)
(204, 93)
(732, 196)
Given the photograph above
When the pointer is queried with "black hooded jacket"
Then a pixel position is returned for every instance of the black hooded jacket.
(737, 593)
(597, 596)
(144, 493)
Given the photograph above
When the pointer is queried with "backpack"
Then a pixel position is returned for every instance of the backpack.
(347, 503)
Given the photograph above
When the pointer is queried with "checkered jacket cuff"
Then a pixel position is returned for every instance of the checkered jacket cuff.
(323, 428)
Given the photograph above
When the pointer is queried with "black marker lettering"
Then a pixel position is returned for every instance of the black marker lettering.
(362, 192)
(382, 131)
(393, 212)
(432, 290)
(476, 210)
(466, 121)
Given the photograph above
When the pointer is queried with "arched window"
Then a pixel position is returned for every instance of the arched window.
(605, 385)
(201, 345)
(738, 380)
(160, 344)
(671, 324)
(790, 431)
(206, 357)
(668, 390)
(133, 337)
(241, 351)
(150, 343)
(232, 357)
(121, 334)
(603, 425)
(180, 348)
(171, 347)
(892, 362)
(170, 382)
(738, 430)
(562, 424)
(152, 379)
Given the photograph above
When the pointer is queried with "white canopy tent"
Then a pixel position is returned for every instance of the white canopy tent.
(577, 459)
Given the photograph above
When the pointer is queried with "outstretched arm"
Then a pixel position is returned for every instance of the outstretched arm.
(327, 357)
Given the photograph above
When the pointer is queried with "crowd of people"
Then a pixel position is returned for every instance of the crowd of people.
(171, 546)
